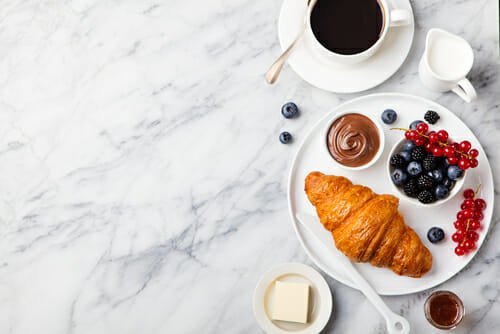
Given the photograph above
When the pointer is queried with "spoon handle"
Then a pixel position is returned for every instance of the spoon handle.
(394, 322)
(274, 71)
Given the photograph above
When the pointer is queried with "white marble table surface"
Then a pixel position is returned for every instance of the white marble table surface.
(142, 183)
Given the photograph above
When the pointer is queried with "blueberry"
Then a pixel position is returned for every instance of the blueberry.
(435, 234)
(413, 125)
(285, 137)
(389, 116)
(437, 175)
(448, 183)
(441, 192)
(289, 110)
(405, 155)
(399, 177)
(454, 172)
(414, 168)
(408, 146)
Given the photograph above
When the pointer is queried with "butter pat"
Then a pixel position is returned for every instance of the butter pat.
(291, 302)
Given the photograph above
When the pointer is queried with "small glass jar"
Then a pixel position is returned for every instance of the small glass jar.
(444, 310)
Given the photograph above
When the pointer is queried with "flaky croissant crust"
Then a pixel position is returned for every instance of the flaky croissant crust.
(367, 227)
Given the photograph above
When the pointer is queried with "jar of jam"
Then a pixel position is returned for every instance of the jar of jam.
(444, 310)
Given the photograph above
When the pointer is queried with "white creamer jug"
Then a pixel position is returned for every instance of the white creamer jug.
(447, 59)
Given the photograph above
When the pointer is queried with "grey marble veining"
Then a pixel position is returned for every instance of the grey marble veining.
(142, 180)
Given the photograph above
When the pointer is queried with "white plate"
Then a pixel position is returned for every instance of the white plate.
(320, 299)
(310, 157)
(337, 78)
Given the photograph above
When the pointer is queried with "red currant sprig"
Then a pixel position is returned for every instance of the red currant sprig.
(468, 222)
(437, 143)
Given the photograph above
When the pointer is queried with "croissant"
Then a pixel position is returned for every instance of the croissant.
(367, 227)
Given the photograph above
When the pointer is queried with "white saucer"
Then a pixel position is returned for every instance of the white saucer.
(338, 78)
(320, 302)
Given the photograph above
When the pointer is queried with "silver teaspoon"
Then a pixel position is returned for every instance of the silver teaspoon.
(274, 71)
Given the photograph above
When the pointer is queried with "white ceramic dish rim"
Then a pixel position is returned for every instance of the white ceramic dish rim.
(295, 224)
(456, 188)
(377, 156)
(324, 292)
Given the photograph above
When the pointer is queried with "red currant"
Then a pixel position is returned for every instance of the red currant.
(460, 215)
(448, 151)
(464, 164)
(453, 160)
(474, 153)
(422, 128)
(474, 224)
(469, 244)
(442, 135)
(457, 237)
(469, 193)
(473, 163)
(460, 224)
(478, 215)
(465, 146)
(468, 213)
(407, 135)
(480, 204)
(469, 203)
(461, 232)
(437, 151)
(433, 137)
(472, 235)
(456, 146)
(419, 141)
(459, 250)
(413, 135)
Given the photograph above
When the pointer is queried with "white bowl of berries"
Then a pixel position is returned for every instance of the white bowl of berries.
(427, 168)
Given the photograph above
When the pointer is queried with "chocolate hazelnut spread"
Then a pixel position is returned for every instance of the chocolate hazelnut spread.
(353, 140)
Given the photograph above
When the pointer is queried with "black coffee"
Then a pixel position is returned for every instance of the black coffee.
(347, 26)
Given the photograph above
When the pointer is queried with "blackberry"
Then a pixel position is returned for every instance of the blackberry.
(411, 188)
(431, 117)
(418, 153)
(426, 197)
(429, 163)
(397, 161)
(425, 182)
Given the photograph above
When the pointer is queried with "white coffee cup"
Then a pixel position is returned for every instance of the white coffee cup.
(391, 17)
(446, 61)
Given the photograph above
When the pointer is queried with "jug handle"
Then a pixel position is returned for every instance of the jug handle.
(398, 17)
(465, 90)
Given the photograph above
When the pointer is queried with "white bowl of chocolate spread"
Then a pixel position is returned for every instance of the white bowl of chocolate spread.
(354, 141)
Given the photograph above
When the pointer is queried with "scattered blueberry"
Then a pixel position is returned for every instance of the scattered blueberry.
(285, 137)
(414, 168)
(398, 177)
(405, 155)
(454, 172)
(408, 145)
(437, 175)
(448, 183)
(413, 125)
(289, 110)
(389, 116)
(441, 192)
(435, 234)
